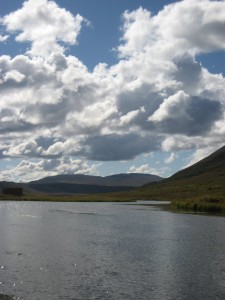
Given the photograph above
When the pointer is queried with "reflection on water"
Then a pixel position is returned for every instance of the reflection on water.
(109, 251)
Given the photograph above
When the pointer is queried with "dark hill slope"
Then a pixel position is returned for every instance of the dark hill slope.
(202, 181)
(213, 165)
(73, 189)
(87, 184)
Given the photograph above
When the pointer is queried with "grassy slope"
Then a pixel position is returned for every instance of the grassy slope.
(199, 187)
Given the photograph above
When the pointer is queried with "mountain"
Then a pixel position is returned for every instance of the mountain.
(211, 166)
(130, 179)
(84, 184)
(201, 181)
(87, 184)
(60, 188)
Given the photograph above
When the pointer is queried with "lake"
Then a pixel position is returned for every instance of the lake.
(115, 251)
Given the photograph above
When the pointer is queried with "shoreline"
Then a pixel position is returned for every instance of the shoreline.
(209, 206)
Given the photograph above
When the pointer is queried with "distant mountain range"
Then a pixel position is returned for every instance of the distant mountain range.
(85, 184)
(127, 179)
(199, 182)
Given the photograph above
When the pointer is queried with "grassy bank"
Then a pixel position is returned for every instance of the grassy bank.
(203, 204)
(206, 203)
(111, 197)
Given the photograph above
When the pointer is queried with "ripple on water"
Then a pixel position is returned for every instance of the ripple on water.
(7, 297)
(69, 212)
(126, 253)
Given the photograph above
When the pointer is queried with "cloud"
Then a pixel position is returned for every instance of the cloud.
(91, 118)
(187, 26)
(27, 171)
(171, 158)
(118, 147)
(13, 75)
(45, 25)
(156, 97)
(188, 73)
(27, 148)
(137, 29)
(148, 170)
(3, 38)
(37, 94)
(176, 142)
(187, 115)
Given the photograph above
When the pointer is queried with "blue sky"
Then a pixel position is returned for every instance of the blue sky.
(96, 41)
(104, 87)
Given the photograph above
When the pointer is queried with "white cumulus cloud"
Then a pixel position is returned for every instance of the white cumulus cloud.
(31, 170)
(157, 96)
(45, 25)
(145, 168)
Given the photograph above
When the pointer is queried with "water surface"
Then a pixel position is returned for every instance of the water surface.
(115, 251)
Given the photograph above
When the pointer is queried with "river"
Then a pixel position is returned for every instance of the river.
(84, 251)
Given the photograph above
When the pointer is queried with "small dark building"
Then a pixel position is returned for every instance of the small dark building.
(13, 191)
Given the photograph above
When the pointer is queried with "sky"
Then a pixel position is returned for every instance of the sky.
(104, 87)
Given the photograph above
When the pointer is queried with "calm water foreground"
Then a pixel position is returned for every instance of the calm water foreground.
(115, 251)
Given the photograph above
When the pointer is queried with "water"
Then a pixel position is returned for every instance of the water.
(106, 251)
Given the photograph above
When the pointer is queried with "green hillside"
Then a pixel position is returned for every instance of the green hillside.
(200, 186)
(211, 166)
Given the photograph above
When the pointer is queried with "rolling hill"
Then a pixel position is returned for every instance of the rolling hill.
(84, 184)
(201, 182)
(87, 184)
(128, 179)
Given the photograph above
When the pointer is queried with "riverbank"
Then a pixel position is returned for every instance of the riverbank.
(69, 198)
(206, 207)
